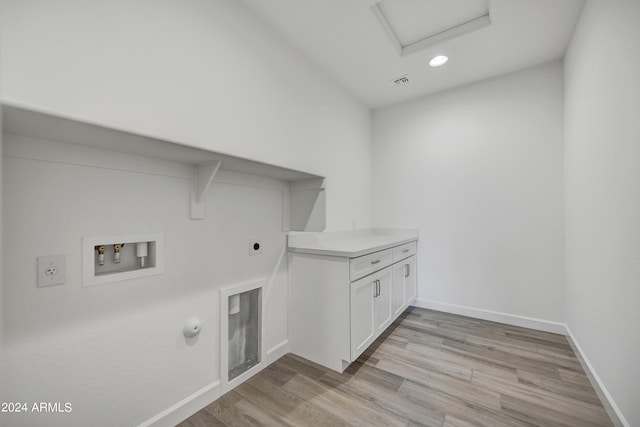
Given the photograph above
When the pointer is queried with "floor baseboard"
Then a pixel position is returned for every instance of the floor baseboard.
(495, 316)
(277, 351)
(185, 408)
(205, 396)
(610, 406)
(607, 401)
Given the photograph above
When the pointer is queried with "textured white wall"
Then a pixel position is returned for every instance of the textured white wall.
(199, 72)
(116, 351)
(602, 110)
(479, 171)
(2, 368)
(206, 73)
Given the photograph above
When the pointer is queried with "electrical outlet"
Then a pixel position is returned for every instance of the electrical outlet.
(51, 270)
(255, 247)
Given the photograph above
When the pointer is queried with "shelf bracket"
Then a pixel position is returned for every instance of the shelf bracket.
(202, 178)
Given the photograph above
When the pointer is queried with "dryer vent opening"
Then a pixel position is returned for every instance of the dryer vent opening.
(244, 332)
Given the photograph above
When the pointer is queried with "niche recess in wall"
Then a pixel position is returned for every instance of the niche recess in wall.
(117, 258)
(241, 347)
(304, 201)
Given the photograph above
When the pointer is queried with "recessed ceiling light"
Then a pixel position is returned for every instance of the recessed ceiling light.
(438, 61)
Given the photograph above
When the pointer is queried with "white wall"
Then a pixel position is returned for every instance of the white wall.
(479, 171)
(602, 110)
(206, 73)
(116, 351)
(2, 368)
(200, 72)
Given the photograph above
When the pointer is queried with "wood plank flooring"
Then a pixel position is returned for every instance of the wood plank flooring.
(428, 369)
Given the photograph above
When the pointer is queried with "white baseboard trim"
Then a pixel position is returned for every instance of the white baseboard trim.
(607, 401)
(207, 395)
(277, 351)
(610, 406)
(185, 408)
(494, 316)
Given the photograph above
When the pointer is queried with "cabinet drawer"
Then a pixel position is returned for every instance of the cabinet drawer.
(404, 251)
(367, 264)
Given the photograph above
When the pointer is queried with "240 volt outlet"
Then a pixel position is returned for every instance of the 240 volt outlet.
(255, 247)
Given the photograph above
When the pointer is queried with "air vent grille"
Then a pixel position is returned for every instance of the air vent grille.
(401, 81)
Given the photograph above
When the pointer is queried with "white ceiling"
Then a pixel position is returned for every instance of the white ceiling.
(413, 20)
(347, 40)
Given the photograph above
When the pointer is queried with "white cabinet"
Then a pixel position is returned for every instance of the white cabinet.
(367, 264)
(342, 301)
(410, 282)
(382, 301)
(370, 309)
(404, 284)
(398, 301)
(404, 251)
(404, 276)
(363, 315)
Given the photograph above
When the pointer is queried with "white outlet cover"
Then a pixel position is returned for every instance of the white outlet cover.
(252, 250)
(46, 262)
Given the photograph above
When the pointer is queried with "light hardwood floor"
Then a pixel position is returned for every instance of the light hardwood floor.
(428, 369)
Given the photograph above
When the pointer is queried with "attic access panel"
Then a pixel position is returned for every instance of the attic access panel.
(414, 25)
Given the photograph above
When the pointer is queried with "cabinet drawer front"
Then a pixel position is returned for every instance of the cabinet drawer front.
(367, 264)
(404, 251)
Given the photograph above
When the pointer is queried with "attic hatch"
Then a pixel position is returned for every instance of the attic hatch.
(414, 25)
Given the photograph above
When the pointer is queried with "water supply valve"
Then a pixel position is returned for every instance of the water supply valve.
(116, 252)
(100, 250)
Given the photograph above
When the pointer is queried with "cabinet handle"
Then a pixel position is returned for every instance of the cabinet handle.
(404, 251)
(375, 261)
(376, 291)
(407, 270)
(378, 287)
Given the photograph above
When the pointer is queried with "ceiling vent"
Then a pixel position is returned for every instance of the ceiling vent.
(401, 81)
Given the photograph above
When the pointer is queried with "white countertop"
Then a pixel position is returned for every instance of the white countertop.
(349, 244)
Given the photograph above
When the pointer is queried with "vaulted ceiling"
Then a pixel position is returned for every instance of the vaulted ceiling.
(367, 44)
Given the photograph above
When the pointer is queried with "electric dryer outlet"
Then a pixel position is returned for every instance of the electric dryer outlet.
(255, 247)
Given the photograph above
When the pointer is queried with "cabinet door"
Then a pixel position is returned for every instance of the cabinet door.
(397, 289)
(362, 317)
(410, 282)
(382, 301)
